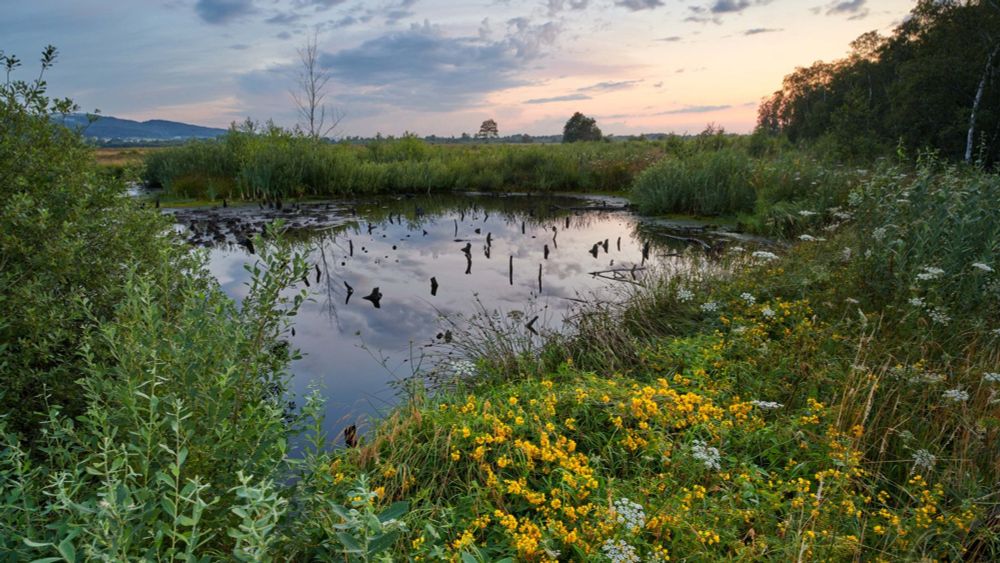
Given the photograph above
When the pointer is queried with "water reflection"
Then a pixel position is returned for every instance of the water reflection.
(411, 261)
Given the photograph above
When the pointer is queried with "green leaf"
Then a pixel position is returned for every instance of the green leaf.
(382, 542)
(350, 544)
(33, 543)
(395, 511)
(47, 560)
(469, 558)
(67, 550)
(168, 506)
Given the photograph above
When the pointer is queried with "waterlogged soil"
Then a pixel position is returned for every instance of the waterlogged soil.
(393, 280)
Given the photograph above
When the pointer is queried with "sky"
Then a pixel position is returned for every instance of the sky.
(438, 66)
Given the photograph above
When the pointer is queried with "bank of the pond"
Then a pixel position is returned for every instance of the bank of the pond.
(818, 405)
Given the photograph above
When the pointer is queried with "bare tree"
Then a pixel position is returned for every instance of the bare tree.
(310, 96)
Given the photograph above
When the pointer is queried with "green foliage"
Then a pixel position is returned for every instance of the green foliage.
(707, 183)
(269, 163)
(931, 84)
(579, 127)
(62, 262)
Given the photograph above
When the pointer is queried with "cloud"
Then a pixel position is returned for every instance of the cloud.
(693, 109)
(422, 68)
(609, 86)
(759, 30)
(556, 6)
(717, 8)
(394, 14)
(283, 18)
(671, 39)
(566, 98)
(727, 6)
(658, 85)
(636, 5)
(320, 5)
(847, 7)
(221, 12)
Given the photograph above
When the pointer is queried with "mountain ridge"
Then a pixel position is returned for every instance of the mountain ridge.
(110, 127)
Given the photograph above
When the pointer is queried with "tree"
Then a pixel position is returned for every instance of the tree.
(488, 130)
(581, 128)
(312, 83)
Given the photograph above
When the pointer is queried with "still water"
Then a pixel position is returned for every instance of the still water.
(432, 259)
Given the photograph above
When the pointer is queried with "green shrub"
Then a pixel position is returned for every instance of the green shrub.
(706, 183)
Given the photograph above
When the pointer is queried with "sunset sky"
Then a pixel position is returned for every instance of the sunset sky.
(440, 67)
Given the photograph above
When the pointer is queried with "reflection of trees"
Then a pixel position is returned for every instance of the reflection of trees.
(415, 213)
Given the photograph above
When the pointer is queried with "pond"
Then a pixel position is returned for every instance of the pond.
(389, 276)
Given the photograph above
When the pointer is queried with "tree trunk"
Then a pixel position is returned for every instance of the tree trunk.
(970, 139)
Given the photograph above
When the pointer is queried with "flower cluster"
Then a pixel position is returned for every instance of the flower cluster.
(709, 306)
(464, 369)
(748, 298)
(765, 255)
(923, 460)
(939, 315)
(766, 405)
(630, 514)
(620, 551)
(991, 377)
(684, 295)
(930, 273)
(956, 395)
(981, 266)
(708, 455)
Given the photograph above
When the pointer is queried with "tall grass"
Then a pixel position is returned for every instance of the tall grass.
(706, 183)
(248, 163)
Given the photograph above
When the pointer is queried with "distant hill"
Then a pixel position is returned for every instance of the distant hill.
(108, 128)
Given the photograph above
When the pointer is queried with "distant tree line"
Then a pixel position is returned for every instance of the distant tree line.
(931, 84)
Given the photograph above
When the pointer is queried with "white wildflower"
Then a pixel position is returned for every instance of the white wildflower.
(737, 249)
(767, 312)
(766, 405)
(709, 307)
(983, 267)
(927, 377)
(619, 551)
(749, 299)
(765, 255)
(464, 368)
(930, 273)
(842, 215)
(939, 316)
(846, 254)
(807, 213)
(996, 332)
(879, 233)
(852, 300)
(923, 460)
(630, 514)
(807, 238)
(991, 377)
(706, 454)
(684, 294)
(956, 395)
(917, 301)
(739, 329)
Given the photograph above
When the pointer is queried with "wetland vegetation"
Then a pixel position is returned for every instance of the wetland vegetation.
(829, 390)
